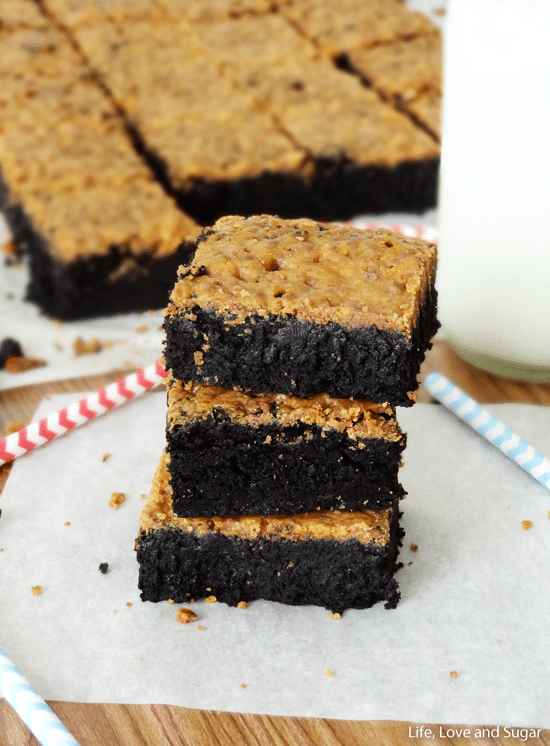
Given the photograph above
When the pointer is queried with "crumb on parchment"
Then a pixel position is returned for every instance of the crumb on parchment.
(329, 672)
(103, 567)
(414, 547)
(106, 457)
(89, 347)
(117, 498)
(526, 525)
(454, 674)
(23, 363)
(201, 628)
(336, 615)
(242, 605)
(36, 590)
(184, 616)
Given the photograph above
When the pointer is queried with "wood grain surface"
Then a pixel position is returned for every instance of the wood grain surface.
(159, 725)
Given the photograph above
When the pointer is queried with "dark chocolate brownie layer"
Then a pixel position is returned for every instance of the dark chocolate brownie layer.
(338, 189)
(283, 354)
(219, 468)
(244, 456)
(335, 574)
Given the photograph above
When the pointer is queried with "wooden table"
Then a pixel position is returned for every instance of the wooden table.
(154, 725)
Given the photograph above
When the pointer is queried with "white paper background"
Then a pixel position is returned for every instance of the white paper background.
(476, 598)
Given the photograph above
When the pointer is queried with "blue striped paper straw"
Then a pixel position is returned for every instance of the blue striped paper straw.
(484, 423)
(40, 719)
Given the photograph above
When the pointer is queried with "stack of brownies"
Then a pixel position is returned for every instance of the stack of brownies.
(288, 345)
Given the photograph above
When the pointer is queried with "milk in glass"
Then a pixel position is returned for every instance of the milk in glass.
(494, 258)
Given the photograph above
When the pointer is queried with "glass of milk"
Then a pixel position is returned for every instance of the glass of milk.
(494, 257)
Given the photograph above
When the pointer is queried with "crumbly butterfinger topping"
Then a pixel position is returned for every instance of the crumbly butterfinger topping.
(262, 265)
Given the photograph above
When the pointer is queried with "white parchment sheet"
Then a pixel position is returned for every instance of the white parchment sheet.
(475, 594)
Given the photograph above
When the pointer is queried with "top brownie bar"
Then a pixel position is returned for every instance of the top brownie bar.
(298, 307)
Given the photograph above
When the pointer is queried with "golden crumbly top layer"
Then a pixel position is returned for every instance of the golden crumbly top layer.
(265, 37)
(204, 11)
(427, 108)
(185, 105)
(76, 13)
(322, 273)
(340, 26)
(330, 113)
(15, 13)
(82, 156)
(405, 70)
(368, 526)
(190, 402)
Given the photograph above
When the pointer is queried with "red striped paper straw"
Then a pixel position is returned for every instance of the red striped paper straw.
(88, 408)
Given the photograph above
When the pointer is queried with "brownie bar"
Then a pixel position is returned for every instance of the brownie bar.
(101, 235)
(407, 73)
(335, 560)
(233, 453)
(300, 308)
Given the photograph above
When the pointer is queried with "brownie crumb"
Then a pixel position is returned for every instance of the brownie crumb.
(92, 346)
(526, 525)
(414, 547)
(185, 616)
(103, 567)
(9, 347)
(37, 590)
(117, 498)
(21, 364)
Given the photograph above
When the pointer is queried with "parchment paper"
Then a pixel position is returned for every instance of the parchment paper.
(475, 594)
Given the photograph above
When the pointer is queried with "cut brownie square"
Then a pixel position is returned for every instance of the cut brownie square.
(336, 560)
(231, 452)
(405, 73)
(297, 307)
(101, 234)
